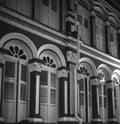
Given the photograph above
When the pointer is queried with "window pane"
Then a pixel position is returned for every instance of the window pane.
(115, 104)
(54, 5)
(8, 91)
(111, 37)
(9, 69)
(81, 99)
(100, 101)
(79, 18)
(44, 95)
(53, 80)
(44, 77)
(104, 90)
(105, 102)
(23, 92)
(23, 72)
(85, 23)
(100, 89)
(114, 91)
(81, 84)
(45, 2)
(53, 96)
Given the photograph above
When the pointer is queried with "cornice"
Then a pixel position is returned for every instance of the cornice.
(32, 26)
(99, 55)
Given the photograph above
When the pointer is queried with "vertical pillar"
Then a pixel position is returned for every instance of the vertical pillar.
(71, 63)
(92, 29)
(35, 66)
(64, 95)
(95, 101)
(118, 39)
(111, 107)
(1, 88)
(107, 36)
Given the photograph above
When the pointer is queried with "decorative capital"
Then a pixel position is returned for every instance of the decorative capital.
(63, 73)
(35, 67)
(71, 57)
(94, 80)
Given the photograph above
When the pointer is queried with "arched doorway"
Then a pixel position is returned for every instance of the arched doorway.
(86, 69)
(53, 59)
(104, 75)
(16, 77)
(116, 93)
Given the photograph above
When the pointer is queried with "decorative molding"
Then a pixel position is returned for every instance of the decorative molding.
(67, 119)
(94, 80)
(35, 67)
(63, 73)
(37, 120)
(99, 55)
(25, 23)
(71, 57)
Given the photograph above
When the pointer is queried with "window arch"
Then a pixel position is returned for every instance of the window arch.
(49, 87)
(86, 69)
(102, 94)
(17, 52)
(116, 91)
(15, 78)
(53, 59)
(103, 74)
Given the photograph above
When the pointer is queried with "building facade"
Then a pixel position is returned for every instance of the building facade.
(59, 61)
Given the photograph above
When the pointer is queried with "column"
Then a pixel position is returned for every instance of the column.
(64, 95)
(93, 29)
(71, 55)
(107, 36)
(35, 66)
(118, 39)
(1, 88)
(111, 109)
(95, 101)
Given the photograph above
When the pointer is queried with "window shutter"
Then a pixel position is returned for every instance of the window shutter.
(8, 90)
(44, 77)
(23, 92)
(53, 80)
(23, 72)
(44, 95)
(53, 96)
(9, 69)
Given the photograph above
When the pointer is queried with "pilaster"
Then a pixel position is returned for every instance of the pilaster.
(111, 107)
(95, 101)
(35, 66)
(64, 95)
(1, 87)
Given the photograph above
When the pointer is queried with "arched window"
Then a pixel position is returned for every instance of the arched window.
(102, 95)
(49, 90)
(83, 95)
(115, 96)
(15, 84)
